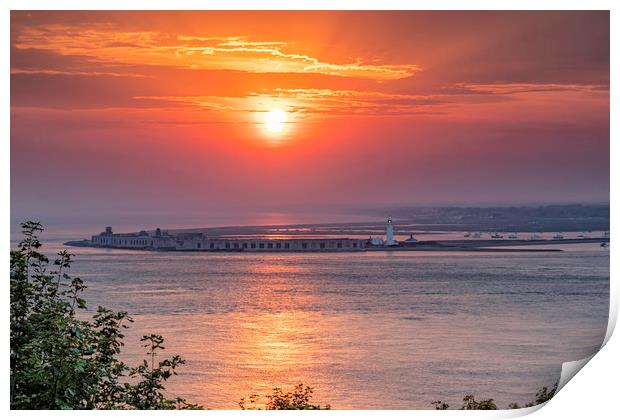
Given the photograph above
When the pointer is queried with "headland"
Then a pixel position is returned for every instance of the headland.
(199, 240)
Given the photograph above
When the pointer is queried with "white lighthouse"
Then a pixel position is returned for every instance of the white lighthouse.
(389, 233)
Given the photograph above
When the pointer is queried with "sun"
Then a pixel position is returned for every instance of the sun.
(275, 120)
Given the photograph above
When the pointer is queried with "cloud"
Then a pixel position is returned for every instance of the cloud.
(269, 57)
(51, 72)
(333, 102)
(95, 64)
(517, 88)
(103, 43)
(313, 102)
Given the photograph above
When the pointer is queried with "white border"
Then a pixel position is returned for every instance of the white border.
(592, 394)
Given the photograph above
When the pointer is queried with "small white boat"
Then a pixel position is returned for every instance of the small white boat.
(496, 236)
(558, 236)
(605, 245)
(467, 235)
(476, 235)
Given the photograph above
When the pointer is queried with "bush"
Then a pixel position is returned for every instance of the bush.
(58, 361)
(298, 399)
(469, 403)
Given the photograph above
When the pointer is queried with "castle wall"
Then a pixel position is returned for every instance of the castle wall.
(123, 241)
(283, 245)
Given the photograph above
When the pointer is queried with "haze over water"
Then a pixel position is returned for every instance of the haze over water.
(367, 330)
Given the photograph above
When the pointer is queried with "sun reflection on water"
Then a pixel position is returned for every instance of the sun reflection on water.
(363, 331)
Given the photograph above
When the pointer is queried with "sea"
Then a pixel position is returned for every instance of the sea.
(366, 330)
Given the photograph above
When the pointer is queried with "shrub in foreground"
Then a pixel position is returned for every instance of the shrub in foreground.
(297, 399)
(59, 361)
(469, 402)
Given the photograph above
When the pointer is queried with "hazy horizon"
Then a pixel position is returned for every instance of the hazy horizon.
(69, 225)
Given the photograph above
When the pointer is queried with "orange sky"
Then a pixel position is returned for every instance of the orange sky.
(134, 112)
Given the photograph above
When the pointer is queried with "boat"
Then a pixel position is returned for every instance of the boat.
(605, 245)
(467, 235)
(476, 235)
(558, 236)
(411, 239)
(496, 236)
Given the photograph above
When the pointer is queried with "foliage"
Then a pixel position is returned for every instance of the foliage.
(148, 393)
(298, 399)
(469, 403)
(59, 361)
(542, 396)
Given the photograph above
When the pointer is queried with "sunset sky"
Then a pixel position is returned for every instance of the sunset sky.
(160, 115)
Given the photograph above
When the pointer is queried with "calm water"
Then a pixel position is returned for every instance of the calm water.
(366, 330)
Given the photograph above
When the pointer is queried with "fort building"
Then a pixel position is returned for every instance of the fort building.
(198, 241)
